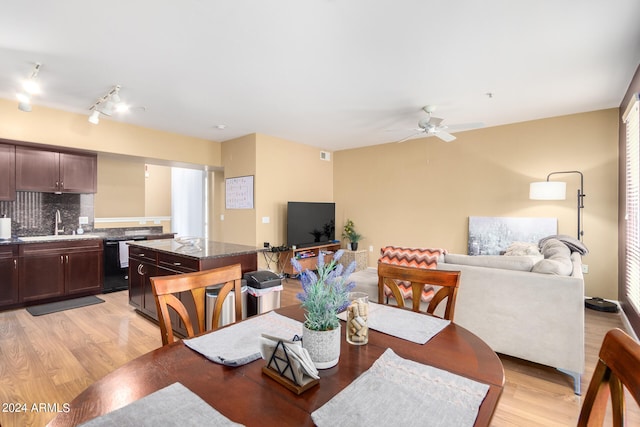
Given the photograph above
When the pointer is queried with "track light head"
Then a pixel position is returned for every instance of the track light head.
(94, 118)
(31, 85)
(24, 106)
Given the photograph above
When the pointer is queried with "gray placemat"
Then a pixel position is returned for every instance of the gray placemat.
(239, 343)
(405, 324)
(423, 396)
(174, 405)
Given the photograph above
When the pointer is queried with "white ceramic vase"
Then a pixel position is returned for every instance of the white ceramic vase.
(323, 346)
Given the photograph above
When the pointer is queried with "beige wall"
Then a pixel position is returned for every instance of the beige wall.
(121, 187)
(157, 190)
(287, 171)
(421, 192)
(239, 159)
(54, 127)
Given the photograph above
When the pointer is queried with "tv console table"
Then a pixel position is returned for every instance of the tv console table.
(311, 262)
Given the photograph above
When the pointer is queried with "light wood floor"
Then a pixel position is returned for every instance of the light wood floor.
(50, 359)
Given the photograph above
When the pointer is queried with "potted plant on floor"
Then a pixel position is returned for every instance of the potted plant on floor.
(349, 232)
(323, 296)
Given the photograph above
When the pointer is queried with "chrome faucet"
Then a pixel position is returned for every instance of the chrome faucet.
(58, 222)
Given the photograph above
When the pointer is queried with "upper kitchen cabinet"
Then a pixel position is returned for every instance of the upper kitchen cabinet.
(7, 172)
(53, 172)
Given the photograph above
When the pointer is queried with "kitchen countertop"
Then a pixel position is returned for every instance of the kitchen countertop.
(49, 239)
(203, 249)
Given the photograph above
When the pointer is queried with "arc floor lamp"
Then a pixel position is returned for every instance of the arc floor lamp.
(557, 190)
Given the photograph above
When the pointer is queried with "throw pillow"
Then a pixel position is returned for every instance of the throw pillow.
(522, 249)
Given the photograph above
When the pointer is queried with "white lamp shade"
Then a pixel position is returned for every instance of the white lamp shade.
(548, 190)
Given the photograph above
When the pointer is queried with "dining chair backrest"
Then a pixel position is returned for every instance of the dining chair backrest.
(166, 288)
(618, 368)
(449, 281)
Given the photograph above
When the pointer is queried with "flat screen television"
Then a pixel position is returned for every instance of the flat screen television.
(310, 223)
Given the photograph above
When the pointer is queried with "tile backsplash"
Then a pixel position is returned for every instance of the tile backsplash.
(33, 213)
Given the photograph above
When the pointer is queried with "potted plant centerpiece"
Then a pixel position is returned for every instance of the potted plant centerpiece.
(349, 232)
(323, 296)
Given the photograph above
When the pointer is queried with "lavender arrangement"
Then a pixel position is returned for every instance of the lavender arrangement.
(326, 294)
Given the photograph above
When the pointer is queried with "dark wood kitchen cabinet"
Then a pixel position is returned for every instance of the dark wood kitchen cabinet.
(8, 275)
(142, 266)
(53, 171)
(60, 269)
(7, 172)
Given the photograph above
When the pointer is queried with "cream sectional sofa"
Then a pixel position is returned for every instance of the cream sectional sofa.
(533, 316)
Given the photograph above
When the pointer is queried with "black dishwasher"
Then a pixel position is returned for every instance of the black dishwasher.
(116, 270)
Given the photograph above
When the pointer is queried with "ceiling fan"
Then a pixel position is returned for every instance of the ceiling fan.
(432, 126)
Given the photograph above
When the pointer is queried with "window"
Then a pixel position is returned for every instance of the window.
(631, 120)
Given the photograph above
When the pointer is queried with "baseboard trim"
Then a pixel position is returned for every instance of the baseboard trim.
(625, 320)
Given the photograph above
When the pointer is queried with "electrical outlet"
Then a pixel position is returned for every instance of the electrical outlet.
(83, 220)
(371, 248)
(585, 268)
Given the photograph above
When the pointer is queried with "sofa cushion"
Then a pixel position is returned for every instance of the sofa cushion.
(518, 263)
(411, 257)
(557, 259)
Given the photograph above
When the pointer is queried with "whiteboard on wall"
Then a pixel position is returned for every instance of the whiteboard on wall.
(239, 192)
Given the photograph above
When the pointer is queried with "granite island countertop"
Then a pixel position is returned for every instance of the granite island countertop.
(202, 249)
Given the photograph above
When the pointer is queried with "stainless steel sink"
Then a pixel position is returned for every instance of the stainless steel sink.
(54, 238)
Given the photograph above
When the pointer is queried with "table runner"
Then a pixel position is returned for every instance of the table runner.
(423, 396)
(405, 324)
(239, 343)
(174, 405)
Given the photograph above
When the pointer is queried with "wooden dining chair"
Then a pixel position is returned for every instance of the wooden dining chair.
(389, 274)
(618, 368)
(165, 289)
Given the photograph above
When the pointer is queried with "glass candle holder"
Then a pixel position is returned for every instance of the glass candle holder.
(357, 315)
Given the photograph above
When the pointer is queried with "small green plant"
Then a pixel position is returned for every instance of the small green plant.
(349, 232)
(326, 294)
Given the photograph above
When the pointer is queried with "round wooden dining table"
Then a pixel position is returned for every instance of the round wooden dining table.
(247, 396)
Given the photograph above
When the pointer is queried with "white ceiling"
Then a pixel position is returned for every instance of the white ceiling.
(328, 73)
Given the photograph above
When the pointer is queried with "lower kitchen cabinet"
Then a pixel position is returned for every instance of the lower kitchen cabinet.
(140, 292)
(41, 277)
(8, 275)
(55, 270)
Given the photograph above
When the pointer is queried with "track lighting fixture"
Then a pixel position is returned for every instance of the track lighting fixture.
(107, 105)
(30, 87)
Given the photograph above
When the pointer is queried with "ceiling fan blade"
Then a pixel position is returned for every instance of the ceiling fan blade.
(411, 136)
(445, 136)
(465, 126)
(404, 130)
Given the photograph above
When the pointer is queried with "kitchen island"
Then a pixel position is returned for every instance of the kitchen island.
(153, 258)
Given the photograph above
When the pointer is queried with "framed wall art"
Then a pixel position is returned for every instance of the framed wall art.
(493, 235)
